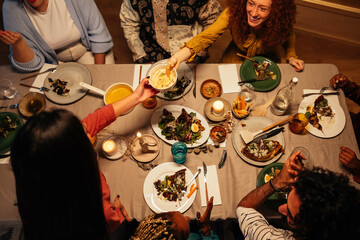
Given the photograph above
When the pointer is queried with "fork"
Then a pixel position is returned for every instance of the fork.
(195, 175)
(52, 70)
(43, 89)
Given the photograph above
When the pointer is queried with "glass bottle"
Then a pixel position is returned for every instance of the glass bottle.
(283, 98)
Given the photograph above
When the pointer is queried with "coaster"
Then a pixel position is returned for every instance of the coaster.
(141, 156)
(209, 113)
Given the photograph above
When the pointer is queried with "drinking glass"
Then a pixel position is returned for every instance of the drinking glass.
(307, 163)
(7, 89)
(179, 151)
(247, 90)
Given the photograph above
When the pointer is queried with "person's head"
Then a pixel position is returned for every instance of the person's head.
(271, 20)
(170, 225)
(323, 205)
(57, 179)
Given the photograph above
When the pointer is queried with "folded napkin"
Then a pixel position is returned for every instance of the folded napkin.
(140, 75)
(223, 144)
(229, 78)
(39, 80)
(212, 185)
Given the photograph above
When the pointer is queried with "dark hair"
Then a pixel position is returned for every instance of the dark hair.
(330, 206)
(57, 179)
(273, 31)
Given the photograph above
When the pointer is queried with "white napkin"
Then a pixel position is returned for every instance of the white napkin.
(212, 185)
(144, 69)
(316, 91)
(229, 78)
(39, 80)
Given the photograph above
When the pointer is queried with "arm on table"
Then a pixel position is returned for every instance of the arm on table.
(21, 51)
(286, 177)
(293, 60)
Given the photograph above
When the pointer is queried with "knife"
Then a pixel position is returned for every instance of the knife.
(223, 159)
(251, 80)
(268, 134)
(194, 90)
(319, 93)
(206, 190)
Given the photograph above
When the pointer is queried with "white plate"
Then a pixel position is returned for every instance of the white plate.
(73, 73)
(183, 70)
(176, 111)
(331, 126)
(158, 204)
(254, 124)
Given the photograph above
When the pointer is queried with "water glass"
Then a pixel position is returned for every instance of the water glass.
(247, 90)
(7, 89)
(307, 163)
(179, 151)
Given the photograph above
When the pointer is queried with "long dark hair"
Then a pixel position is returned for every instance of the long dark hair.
(57, 179)
(273, 31)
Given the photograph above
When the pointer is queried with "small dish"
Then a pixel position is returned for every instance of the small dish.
(154, 149)
(32, 103)
(218, 134)
(209, 113)
(120, 148)
(241, 108)
(210, 88)
(158, 78)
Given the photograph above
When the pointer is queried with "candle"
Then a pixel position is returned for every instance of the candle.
(141, 139)
(109, 147)
(218, 107)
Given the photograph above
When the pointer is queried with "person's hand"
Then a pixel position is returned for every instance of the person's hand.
(123, 211)
(9, 37)
(290, 171)
(204, 220)
(339, 80)
(144, 90)
(298, 64)
(180, 56)
(348, 158)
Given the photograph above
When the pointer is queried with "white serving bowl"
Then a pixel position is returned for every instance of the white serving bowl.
(158, 70)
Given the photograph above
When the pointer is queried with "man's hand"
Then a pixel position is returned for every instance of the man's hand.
(298, 64)
(204, 220)
(339, 80)
(290, 171)
(348, 158)
(119, 205)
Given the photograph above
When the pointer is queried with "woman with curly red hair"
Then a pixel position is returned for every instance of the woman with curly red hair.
(258, 27)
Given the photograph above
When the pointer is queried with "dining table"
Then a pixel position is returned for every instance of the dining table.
(126, 176)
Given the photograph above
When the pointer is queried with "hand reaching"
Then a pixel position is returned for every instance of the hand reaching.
(204, 220)
(339, 80)
(123, 211)
(9, 37)
(144, 90)
(298, 64)
(180, 56)
(290, 171)
(348, 158)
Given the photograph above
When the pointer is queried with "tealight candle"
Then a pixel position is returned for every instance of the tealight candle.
(218, 107)
(109, 147)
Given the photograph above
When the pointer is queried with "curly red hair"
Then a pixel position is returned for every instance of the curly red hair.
(273, 31)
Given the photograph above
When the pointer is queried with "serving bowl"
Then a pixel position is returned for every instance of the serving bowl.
(31, 104)
(158, 76)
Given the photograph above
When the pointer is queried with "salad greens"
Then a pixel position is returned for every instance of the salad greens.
(179, 88)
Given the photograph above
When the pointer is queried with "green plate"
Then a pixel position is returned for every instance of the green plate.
(247, 72)
(5, 143)
(266, 170)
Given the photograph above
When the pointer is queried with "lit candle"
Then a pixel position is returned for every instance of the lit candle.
(218, 107)
(109, 147)
(141, 139)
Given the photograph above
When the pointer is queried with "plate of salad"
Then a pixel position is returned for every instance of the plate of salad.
(173, 123)
(183, 85)
(10, 123)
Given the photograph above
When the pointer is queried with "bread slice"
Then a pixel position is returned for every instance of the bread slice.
(262, 150)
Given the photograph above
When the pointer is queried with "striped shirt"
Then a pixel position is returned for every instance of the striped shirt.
(253, 225)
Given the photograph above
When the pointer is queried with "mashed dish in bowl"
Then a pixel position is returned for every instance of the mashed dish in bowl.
(159, 78)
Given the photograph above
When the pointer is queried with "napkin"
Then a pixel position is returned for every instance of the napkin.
(39, 80)
(212, 185)
(223, 144)
(144, 69)
(229, 78)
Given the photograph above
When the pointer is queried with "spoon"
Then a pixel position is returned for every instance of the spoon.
(195, 175)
